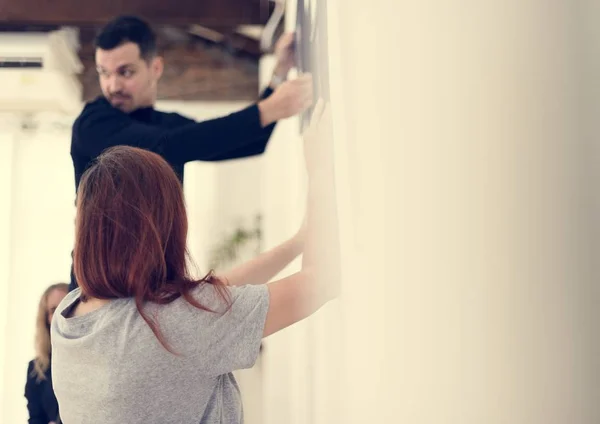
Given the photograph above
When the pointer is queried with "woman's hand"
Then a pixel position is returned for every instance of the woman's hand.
(318, 140)
(300, 237)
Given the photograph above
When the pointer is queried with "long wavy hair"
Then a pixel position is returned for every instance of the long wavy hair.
(131, 232)
(43, 347)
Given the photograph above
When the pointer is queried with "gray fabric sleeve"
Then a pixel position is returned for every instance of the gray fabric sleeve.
(224, 342)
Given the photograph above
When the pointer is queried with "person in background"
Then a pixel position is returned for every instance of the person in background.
(142, 341)
(129, 69)
(41, 402)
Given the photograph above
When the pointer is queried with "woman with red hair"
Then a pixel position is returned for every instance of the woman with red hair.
(141, 340)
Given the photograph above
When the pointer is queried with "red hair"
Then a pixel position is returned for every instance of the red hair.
(131, 231)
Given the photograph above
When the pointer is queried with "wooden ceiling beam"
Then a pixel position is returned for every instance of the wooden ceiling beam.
(214, 13)
(194, 71)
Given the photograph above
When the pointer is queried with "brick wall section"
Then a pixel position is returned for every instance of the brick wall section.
(194, 70)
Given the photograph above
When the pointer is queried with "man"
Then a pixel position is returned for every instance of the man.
(129, 69)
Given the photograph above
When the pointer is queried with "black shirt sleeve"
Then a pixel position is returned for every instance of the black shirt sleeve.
(33, 394)
(101, 126)
(254, 148)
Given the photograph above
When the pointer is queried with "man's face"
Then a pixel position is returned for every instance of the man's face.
(127, 80)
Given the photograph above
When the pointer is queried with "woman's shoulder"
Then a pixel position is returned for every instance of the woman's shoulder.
(68, 300)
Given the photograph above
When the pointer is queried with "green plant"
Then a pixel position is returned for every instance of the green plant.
(227, 251)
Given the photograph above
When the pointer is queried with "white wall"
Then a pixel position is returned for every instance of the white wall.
(303, 364)
(464, 133)
(6, 154)
(475, 304)
(40, 203)
(285, 359)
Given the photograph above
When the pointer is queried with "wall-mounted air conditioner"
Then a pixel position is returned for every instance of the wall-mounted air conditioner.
(38, 72)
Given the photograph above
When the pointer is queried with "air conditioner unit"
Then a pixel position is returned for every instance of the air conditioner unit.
(38, 72)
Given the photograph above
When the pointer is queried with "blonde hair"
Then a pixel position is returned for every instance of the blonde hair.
(42, 334)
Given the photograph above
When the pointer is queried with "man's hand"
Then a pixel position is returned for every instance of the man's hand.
(289, 99)
(285, 54)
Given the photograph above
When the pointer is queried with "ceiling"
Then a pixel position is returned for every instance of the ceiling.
(176, 12)
(211, 47)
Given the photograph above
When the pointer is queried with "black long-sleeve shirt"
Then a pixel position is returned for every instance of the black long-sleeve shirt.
(41, 402)
(176, 138)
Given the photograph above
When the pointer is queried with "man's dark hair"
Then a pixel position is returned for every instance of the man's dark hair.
(125, 29)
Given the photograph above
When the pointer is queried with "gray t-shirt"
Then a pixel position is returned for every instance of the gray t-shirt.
(109, 368)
